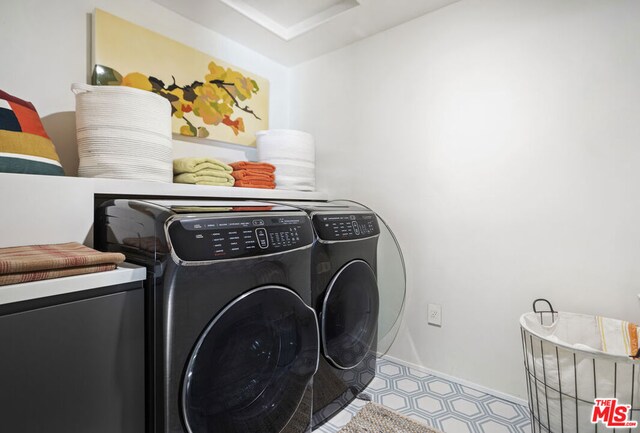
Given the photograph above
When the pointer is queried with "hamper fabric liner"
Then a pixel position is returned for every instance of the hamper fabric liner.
(567, 369)
(123, 133)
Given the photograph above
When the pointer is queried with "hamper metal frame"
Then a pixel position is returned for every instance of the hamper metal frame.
(538, 406)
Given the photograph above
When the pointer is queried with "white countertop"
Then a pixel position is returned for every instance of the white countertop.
(125, 273)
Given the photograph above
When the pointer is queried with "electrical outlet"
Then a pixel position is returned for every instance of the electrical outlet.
(434, 314)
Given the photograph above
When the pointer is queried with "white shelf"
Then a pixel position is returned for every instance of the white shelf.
(140, 188)
(73, 185)
(56, 209)
(125, 273)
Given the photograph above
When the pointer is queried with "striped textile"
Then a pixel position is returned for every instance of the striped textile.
(25, 146)
(38, 262)
(25, 277)
(618, 337)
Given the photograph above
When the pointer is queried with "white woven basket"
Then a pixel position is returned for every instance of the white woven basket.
(123, 133)
(292, 153)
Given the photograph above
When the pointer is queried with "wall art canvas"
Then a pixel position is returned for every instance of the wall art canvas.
(209, 98)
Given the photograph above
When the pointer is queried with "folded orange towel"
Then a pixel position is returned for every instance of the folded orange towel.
(253, 175)
(257, 166)
(255, 184)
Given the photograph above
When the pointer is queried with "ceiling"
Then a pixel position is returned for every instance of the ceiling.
(294, 31)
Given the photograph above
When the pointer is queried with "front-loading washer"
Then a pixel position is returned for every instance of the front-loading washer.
(345, 295)
(232, 342)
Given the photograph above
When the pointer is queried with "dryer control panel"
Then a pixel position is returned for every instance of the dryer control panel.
(201, 238)
(345, 226)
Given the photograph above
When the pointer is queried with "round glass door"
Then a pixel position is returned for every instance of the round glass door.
(251, 366)
(391, 276)
(392, 287)
(350, 314)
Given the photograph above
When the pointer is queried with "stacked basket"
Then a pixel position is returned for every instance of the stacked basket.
(293, 155)
(123, 133)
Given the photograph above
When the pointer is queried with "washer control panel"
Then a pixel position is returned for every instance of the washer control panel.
(201, 238)
(346, 226)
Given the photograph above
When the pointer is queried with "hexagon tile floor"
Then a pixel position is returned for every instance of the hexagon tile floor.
(439, 403)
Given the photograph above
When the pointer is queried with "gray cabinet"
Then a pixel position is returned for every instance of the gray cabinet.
(74, 364)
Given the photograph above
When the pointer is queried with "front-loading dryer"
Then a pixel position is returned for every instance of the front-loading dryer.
(232, 342)
(345, 295)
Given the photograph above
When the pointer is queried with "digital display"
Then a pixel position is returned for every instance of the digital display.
(346, 226)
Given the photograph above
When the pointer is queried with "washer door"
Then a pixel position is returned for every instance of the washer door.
(350, 314)
(251, 366)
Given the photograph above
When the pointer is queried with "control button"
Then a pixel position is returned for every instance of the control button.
(355, 227)
(263, 240)
(258, 222)
(200, 236)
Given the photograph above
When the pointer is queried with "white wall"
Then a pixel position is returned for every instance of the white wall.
(47, 47)
(500, 139)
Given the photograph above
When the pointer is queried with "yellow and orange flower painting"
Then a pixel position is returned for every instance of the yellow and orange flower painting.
(209, 99)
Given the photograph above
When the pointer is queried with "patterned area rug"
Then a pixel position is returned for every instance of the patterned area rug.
(374, 418)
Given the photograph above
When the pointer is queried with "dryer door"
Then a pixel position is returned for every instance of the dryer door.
(392, 281)
(252, 364)
(350, 314)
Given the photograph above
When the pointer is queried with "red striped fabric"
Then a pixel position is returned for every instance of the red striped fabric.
(48, 257)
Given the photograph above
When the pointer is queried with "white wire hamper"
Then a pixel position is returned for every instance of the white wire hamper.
(564, 377)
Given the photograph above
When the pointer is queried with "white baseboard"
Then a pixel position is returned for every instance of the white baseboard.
(493, 392)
